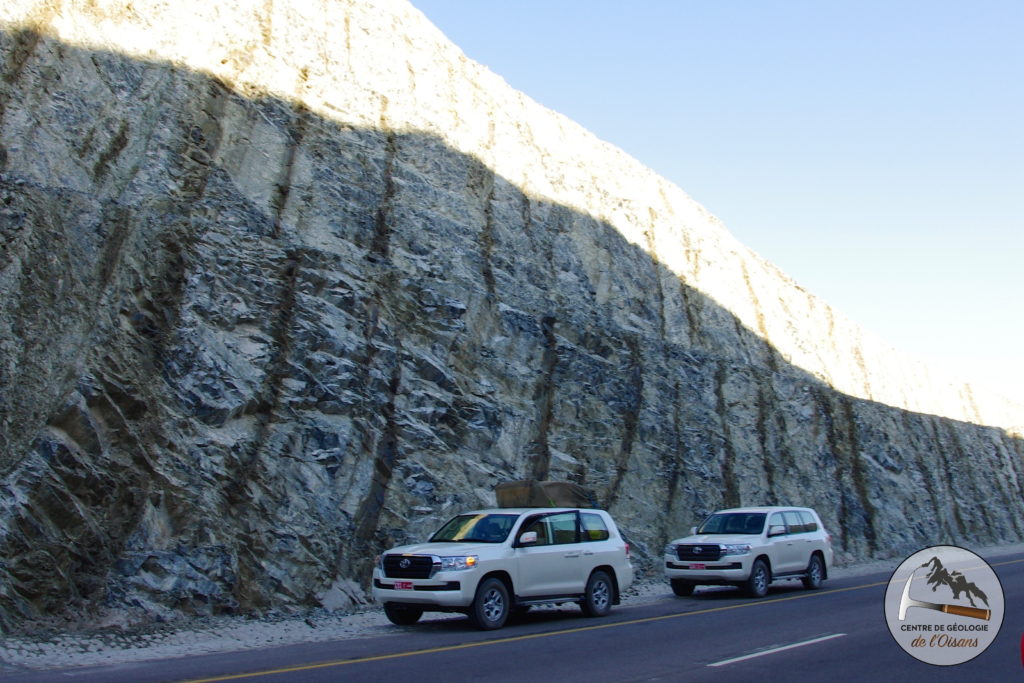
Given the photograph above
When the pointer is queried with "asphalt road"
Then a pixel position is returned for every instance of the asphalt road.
(835, 633)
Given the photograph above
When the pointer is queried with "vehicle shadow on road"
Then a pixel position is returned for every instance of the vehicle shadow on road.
(723, 593)
(565, 615)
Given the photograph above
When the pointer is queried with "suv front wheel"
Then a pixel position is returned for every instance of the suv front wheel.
(757, 584)
(597, 601)
(490, 608)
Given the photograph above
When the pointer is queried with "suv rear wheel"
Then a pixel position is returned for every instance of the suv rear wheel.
(815, 573)
(757, 584)
(597, 600)
(490, 608)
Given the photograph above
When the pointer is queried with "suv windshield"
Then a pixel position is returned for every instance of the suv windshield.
(733, 523)
(480, 528)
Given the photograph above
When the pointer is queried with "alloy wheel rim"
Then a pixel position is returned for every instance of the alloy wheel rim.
(599, 596)
(494, 606)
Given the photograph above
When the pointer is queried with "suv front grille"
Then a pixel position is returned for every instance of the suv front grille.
(408, 566)
(697, 552)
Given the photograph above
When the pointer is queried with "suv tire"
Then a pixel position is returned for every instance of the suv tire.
(402, 615)
(490, 608)
(682, 588)
(597, 600)
(756, 584)
(815, 573)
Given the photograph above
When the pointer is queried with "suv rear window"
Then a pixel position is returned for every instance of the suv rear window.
(594, 528)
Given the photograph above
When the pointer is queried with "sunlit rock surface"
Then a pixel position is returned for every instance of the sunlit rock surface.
(285, 284)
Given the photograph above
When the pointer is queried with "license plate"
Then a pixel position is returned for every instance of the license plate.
(403, 585)
(697, 566)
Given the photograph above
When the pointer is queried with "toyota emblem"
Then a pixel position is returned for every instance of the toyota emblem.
(404, 563)
(697, 550)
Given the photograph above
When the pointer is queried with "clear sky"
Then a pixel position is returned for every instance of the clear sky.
(873, 150)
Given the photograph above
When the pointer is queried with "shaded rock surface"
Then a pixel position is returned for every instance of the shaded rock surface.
(284, 286)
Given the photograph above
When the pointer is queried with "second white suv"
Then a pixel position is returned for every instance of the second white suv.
(750, 548)
(487, 563)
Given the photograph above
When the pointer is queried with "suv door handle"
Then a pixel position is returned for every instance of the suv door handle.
(575, 554)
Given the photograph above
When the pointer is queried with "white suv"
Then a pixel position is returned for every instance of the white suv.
(750, 548)
(487, 563)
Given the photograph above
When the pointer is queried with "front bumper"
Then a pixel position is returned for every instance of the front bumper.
(728, 569)
(444, 590)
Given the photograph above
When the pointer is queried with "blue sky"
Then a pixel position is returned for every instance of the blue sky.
(872, 150)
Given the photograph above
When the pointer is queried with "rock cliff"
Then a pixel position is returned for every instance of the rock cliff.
(286, 283)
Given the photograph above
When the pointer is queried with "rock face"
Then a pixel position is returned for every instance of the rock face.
(285, 285)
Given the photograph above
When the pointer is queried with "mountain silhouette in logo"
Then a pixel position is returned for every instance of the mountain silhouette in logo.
(954, 580)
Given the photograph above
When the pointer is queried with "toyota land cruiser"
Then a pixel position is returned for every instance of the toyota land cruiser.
(488, 563)
(750, 548)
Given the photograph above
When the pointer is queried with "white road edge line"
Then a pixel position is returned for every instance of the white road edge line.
(777, 649)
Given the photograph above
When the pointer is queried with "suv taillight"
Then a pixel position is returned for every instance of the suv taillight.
(627, 550)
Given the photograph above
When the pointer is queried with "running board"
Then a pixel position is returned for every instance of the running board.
(790, 575)
(548, 599)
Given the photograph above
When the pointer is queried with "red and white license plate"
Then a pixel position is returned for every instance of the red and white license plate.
(697, 566)
(403, 585)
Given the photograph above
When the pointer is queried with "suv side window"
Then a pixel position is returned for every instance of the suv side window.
(809, 523)
(540, 525)
(563, 528)
(594, 528)
(796, 525)
(556, 529)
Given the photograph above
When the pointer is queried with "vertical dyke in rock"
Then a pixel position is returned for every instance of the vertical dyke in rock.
(543, 398)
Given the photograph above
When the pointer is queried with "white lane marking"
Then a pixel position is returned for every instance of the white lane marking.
(777, 649)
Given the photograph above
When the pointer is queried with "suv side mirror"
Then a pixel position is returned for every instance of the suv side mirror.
(776, 530)
(693, 531)
(529, 538)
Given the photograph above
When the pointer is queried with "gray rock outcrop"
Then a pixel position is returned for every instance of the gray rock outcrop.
(285, 285)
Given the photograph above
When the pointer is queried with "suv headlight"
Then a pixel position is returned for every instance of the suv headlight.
(670, 549)
(735, 549)
(457, 563)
